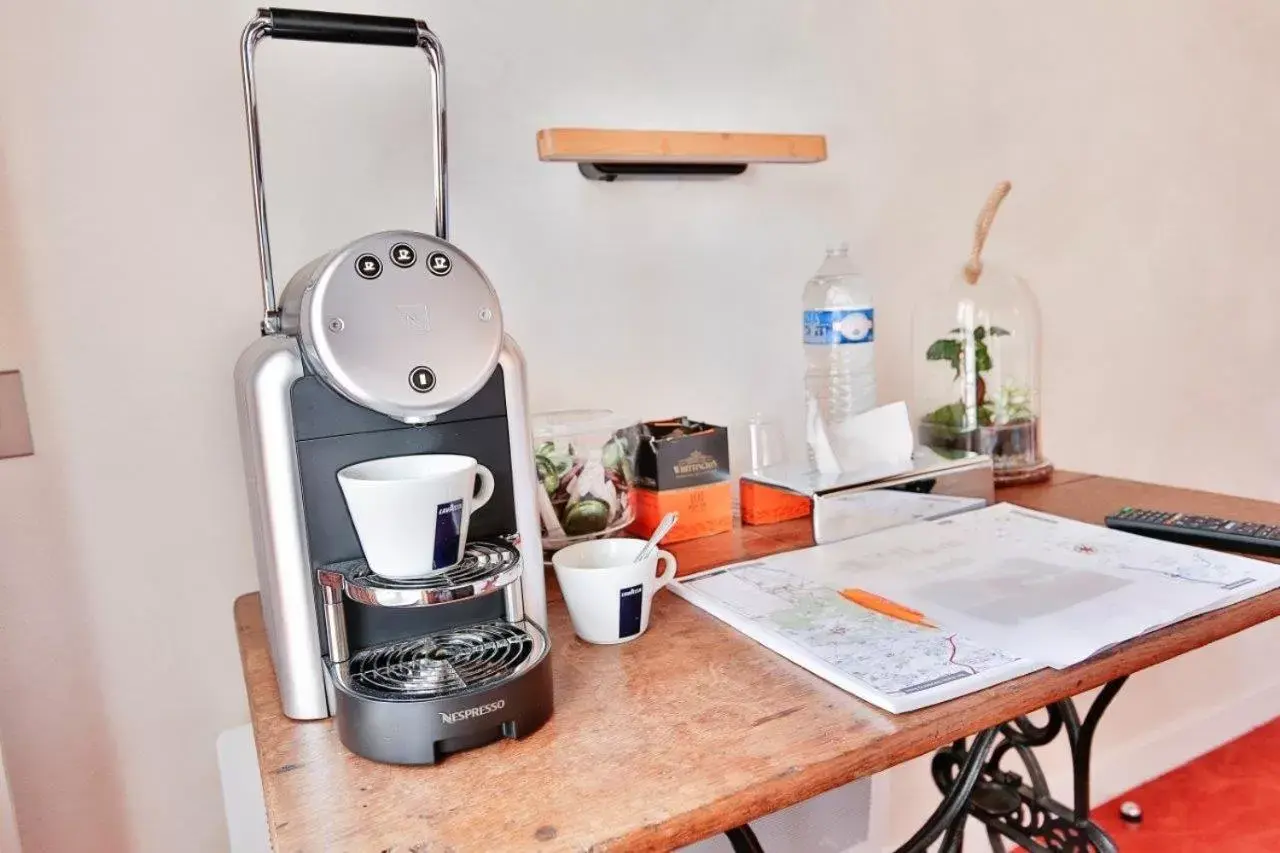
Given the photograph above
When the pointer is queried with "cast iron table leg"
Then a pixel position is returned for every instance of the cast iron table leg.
(948, 817)
(1021, 811)
(974, 784)
(955, 801)
(744, 840)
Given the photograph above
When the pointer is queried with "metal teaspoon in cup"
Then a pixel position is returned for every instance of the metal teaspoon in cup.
(664, 527)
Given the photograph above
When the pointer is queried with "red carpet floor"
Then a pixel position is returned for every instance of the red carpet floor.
(1227, 801)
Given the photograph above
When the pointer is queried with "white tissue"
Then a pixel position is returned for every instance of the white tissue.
(879, 437)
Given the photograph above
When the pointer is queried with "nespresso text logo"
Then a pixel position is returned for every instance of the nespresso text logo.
(472, 713)
(696, 462)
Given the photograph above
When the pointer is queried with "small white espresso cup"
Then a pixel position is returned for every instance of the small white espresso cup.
(608, 593)
(411, 513)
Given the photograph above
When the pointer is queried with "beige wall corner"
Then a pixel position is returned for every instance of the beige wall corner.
(8, 820)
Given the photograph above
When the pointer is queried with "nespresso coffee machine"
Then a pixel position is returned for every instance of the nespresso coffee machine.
(390, 345)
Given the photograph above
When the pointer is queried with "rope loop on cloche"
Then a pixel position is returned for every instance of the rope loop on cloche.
(973, 269)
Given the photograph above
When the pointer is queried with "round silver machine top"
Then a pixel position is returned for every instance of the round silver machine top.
(399, 322)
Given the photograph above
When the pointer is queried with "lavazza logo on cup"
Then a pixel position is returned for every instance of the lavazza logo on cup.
(472, 713)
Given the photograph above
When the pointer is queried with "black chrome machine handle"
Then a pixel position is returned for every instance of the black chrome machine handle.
(302, 25)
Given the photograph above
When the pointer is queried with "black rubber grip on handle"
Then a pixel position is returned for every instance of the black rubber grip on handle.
(301, 25)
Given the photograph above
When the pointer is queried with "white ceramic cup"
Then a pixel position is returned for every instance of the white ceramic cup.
(411, 513)
(608, 593)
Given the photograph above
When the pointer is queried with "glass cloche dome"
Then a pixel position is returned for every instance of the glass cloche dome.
(976, 349)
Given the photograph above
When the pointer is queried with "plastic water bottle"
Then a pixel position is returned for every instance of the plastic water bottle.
(839, 341)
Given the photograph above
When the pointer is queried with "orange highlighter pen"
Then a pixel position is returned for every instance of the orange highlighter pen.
(885, 607)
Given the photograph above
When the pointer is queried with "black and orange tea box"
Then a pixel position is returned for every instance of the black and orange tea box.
(682, 465)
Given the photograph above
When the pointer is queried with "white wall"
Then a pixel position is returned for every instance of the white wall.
(58, 748)
(1138, 137)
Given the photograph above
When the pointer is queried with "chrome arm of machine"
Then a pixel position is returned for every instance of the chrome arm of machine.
(524, 481)
(298, 25)
(264, 376)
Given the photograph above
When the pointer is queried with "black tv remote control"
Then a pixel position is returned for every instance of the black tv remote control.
(1246, 537)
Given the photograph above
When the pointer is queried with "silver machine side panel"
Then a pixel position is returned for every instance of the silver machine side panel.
(264, 376)
(524, 480)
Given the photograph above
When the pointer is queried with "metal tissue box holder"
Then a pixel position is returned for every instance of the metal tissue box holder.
(844, 505)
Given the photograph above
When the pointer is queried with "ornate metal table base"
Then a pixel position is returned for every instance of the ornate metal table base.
(744, 839)
(975, 784)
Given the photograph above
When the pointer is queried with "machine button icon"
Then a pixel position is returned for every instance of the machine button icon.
(422, 379)
(438, 263)
(403, 255)
(368, 266)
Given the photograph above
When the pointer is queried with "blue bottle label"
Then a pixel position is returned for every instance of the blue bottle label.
(841, 326)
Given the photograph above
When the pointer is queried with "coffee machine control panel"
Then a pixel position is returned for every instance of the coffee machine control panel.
(399, 322)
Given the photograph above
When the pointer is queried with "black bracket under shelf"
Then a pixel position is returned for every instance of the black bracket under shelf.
(613, 171)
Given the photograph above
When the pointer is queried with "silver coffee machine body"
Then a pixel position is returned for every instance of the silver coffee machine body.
(391, 345)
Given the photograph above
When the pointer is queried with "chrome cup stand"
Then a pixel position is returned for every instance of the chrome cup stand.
(445, 662)
(409, 701)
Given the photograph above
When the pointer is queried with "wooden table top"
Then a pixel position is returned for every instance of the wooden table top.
(688, 731)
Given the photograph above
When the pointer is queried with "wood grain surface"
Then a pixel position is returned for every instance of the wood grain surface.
(681, 734)
(597, 145)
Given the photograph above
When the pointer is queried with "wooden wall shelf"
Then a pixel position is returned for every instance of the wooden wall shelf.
(608, 154)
